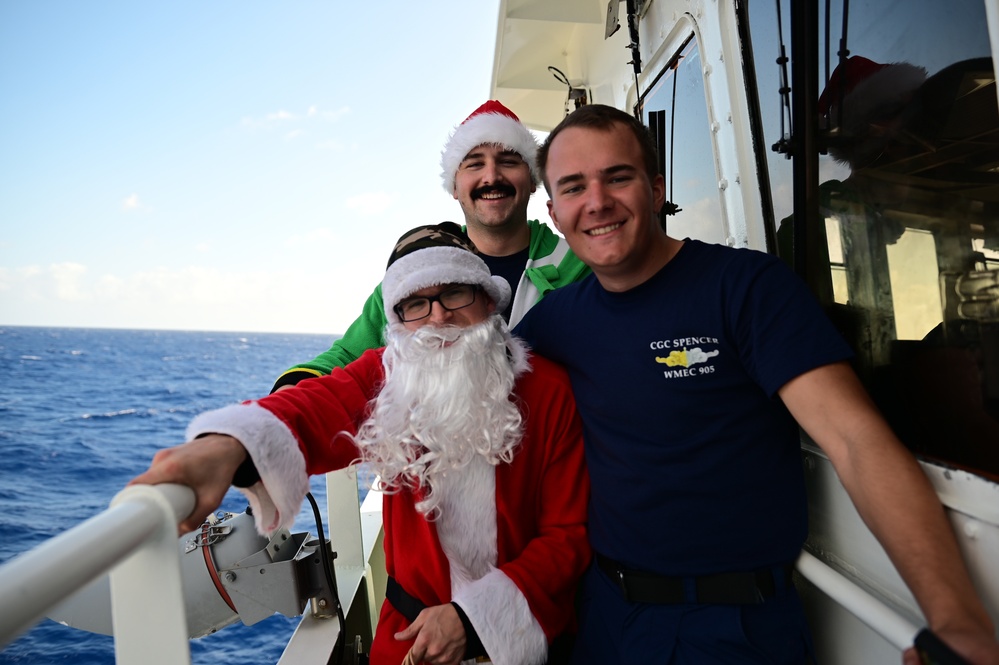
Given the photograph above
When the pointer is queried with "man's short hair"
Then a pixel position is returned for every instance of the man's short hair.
(602, 117)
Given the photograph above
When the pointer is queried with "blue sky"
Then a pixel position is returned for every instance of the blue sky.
(223, 165)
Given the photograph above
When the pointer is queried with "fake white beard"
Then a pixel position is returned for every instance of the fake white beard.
(446, 400)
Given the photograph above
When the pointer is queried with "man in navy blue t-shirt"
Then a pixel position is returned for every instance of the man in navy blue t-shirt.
(693, 366)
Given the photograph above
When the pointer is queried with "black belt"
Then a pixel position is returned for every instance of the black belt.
(744, 588)
(410, 607)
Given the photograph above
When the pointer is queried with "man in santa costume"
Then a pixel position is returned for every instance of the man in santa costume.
(478, 449)
(488, 166)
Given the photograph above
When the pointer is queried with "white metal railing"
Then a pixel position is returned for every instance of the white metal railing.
(314, 640)
(136, 540)
(882, 619)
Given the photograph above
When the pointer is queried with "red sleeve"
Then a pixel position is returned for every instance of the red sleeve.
(319, 410)
(556, 554)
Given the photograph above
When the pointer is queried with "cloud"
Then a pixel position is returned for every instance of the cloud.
(68, 278)
(267, 122)
(331, 116)
(63, 282)
(321, 237)
(283, 118)
(280, 116)
(371, 203)
(193, 297)
(131, 203)
(332, 145)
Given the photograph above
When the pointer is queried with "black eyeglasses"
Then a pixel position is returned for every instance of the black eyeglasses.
(451, 298)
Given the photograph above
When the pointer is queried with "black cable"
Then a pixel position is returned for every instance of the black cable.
(828, 29)
(636, 55)
(672, 132)
(324, 555)
(843, 54)
(785, 90)
(640, 106)
(562, 78)
(634, 46)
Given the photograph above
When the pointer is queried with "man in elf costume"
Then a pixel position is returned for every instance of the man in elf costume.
(477, 445)
(488, 166)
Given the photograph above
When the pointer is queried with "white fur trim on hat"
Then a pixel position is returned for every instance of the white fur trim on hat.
(433, 266)
(492, 129)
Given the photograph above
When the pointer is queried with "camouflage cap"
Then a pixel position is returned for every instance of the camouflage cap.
(445, 234)
(433, 255)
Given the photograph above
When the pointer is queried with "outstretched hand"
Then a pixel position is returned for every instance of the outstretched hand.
(440, 637)
(206, 465)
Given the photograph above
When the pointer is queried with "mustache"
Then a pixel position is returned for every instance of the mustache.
(478, 192)
(435, 336)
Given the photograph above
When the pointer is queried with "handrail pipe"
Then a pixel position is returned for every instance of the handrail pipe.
(136, 540)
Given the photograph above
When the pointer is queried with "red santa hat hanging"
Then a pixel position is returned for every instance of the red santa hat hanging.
(864, 99)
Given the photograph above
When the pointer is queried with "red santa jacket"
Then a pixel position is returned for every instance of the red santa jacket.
(541, 497)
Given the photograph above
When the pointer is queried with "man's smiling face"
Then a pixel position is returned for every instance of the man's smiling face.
(493, 186)
(602, 198)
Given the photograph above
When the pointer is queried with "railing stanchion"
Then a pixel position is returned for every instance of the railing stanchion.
(147, 600)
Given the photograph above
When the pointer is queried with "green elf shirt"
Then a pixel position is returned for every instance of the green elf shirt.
(550, 264)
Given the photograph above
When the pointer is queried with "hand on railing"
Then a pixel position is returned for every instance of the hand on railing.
(206, 465)
(976, 643)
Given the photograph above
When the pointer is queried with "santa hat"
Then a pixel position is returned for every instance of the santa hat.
(493, 124)
(862, 94)
(433, 255)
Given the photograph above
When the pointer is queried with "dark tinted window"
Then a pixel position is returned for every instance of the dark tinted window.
(906, 257)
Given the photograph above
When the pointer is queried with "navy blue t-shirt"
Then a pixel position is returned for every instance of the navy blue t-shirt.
(510, 268)
(694, 461)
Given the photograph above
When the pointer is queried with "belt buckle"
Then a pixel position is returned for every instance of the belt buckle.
(623, 584)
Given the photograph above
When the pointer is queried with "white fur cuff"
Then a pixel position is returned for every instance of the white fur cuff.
(503, 620)
(276, 499)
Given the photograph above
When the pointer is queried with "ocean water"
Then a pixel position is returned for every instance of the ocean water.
(83, 410)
